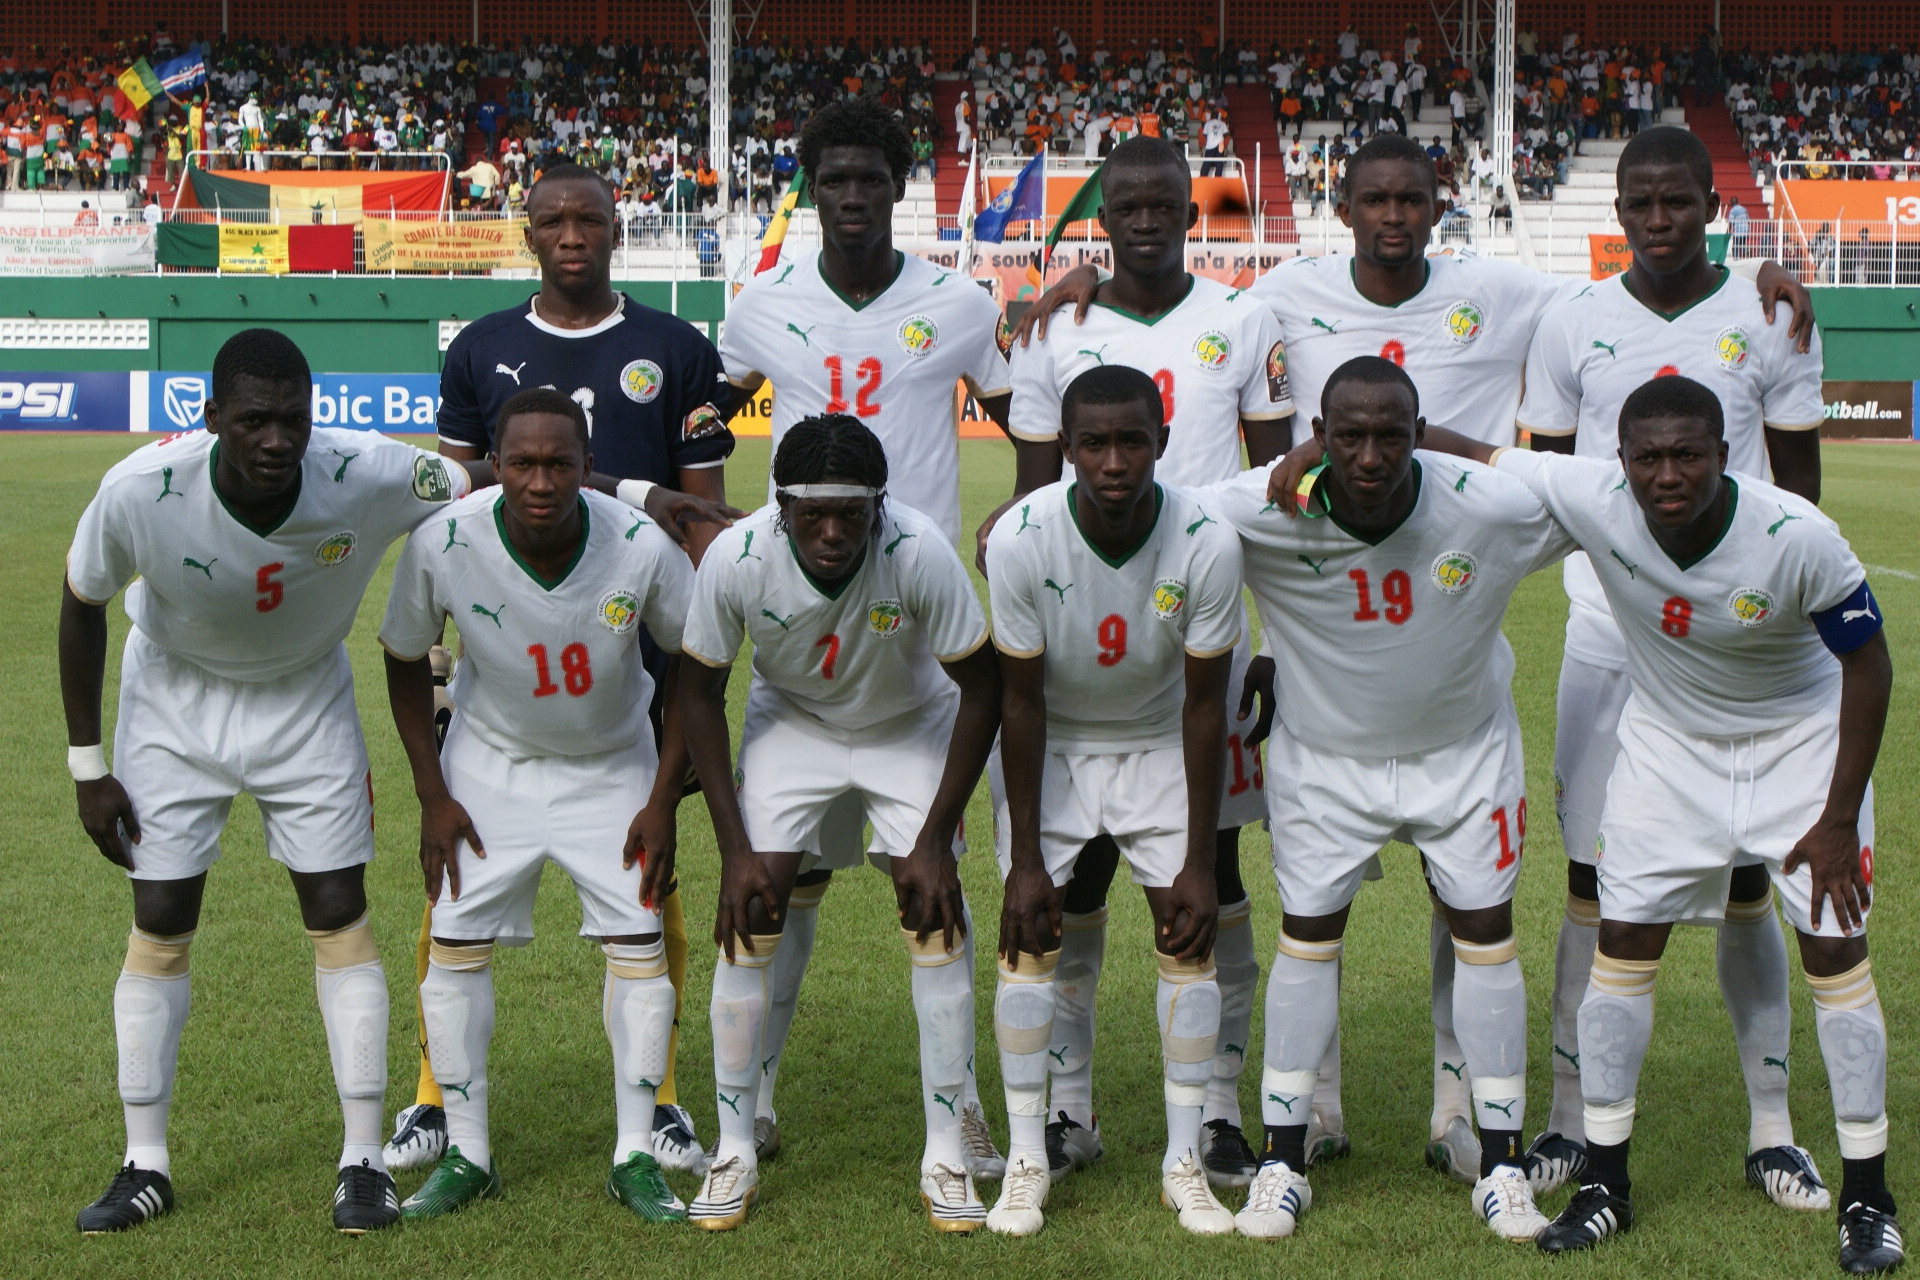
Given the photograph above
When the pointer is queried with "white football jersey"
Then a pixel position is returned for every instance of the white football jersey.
(1217, 358)
(1392, 645)
(1115, 635)
(1722, 647)
(1462, 339)
(245, 603)
(891, 362)
(1603, 344)
(546, 668)
(849, 656)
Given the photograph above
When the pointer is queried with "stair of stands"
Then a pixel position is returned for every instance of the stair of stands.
(1732, 176)
(951, 175)
(1250, 117)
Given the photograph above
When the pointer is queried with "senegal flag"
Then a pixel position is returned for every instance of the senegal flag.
(140, 84)
(1084, 204)
(795, 198)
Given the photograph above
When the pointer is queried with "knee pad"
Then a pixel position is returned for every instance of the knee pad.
(646, 1009)
(1023, 1017)
(445, 1012)
(738, 1013)
(638, 962)
(140, 1023)
(152, 956)
(358, 1017)
(345, 947)
(1190, 1021)
(946, 1037)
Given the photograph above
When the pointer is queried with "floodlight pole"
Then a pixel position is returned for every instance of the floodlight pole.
(719, 95)
(1500, 126)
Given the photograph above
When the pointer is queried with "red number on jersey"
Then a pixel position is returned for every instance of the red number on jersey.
(868, 371)
(1163, 379)
(1240, 779)
(1112, 634)
(1394, 351)
(270, 589)
(1511, 846)
(832, 644)
(1396, 588)
(1676, 617)
(577, 668)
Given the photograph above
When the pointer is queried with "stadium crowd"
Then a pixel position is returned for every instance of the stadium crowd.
(1824, 108)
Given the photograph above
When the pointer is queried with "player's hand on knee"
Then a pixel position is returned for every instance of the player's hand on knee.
(743, 881)
(1075, 289)
(1834, 858)
(1284, 480)
(1258, 685)
(443, 825)
(1193, 915)
(1029, 915)
(105, 813)
(672, 510)
(652, 841)
(927, 891)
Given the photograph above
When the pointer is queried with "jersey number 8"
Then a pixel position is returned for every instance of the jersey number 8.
(576, 670)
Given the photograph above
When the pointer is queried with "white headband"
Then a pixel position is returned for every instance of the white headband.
(829, 491)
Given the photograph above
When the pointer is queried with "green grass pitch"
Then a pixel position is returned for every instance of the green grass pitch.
(256, 1127)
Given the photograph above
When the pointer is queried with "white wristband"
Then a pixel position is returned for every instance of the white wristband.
(87, 764)
(634, 492)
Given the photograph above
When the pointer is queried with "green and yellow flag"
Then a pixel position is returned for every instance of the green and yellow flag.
(249, 248)
(140, 84)
(1084, 204)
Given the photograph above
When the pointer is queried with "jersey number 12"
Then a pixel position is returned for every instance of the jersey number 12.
(868, 371)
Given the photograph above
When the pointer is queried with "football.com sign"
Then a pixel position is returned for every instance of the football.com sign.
(169, 401)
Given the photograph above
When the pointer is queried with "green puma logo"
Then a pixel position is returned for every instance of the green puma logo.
(1448, 1066)
(1099, 354)
(1271, 506)
(1313, 564)
(1058, 1055)
(1777, 524)
(1318, 323)
(1574, 1058)
(784, 275)
(460, 1089)
(937, 282)
(1630, 568)
(1504, 1108)
(1059, 590)
(1274, 1097)
(1775, 1062)
(733, 1103)
(491, 613)
(947, 1102)
(1234, 1048)
(1195, 526)
(1583, 293)
(452, 524)
(647, 1084)
(1617, 488)
(800, 333)
(340, 475)
(969, 1064)
(166, 485)
(1460, 485)
(784, 622)
(637, 523)
(1607, 347)
(1025, 524)
(188, 562)
(1236, 293)
(888, 549)
(766, 1064)
(746, 548)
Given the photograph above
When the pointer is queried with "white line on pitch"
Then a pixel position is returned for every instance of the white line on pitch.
(1892, 573)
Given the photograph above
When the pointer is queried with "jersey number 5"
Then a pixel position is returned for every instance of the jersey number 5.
(576, 670)
(868, 371)
(272, 592)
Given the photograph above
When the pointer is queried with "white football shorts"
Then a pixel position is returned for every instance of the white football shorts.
(1682, 811)
(572, 811)
(188, 741)
(1139, 798)
(1463, 805)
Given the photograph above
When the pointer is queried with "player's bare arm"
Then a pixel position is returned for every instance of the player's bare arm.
(106, 812)
(1794, 457)
(1030, 905)
(1188, 911)
(443, 821)
(652, 839)
(744, 879)
(1075, 289)
(927, 881)
(1831, 849)
(1778, 285)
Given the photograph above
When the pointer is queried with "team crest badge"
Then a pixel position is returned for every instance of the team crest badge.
(641, 381)
(1277, 388)
(335, 550)
(885, 618)
(619, 611)
(1212, 349)
(1453, 572)
(1463, 322)
(1731, 346)
(1750, 606)
(1169, 598)
(430, 482)
(918, 335)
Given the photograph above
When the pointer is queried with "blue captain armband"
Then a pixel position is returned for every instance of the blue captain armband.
(1851, 623)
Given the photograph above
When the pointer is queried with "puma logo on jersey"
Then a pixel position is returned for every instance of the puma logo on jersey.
(785, 623)
(1607, 347)
(340, 475)
(1777, 525)
(784, 274)
(1460, 485)
(1574, 1058)
(490, 613)
(800, 333)
(453, 526)
(1617, 488)
(888, 549)
(1025, 524)
(1236, 293)
(188, 562)
(1195, 526)
(166, 485)
(513, 373)
(1504, 1108)
(1583, 293)
(1274, 1097)
(1864, 614)
(1630, 568)
(1775, 1062)
(637, 523)
(937, 282)
(1318, 323)
(1099, 355)
(1059, 590)
(1448, 1066)
(1312, 564)
(746, 548)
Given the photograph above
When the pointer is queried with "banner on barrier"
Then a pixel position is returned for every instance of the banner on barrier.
(395, 245)
(75, 251)
(1867, 410)
(170, 400)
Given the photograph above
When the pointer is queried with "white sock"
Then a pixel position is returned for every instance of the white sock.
(1239, 979)
(1303, 1011)
(1083, 946)
(970, 1090)
(943, 1004)
(1187, 1008)
(458, 1009)
(783, 984)
(1490, 1013)
(1451, 1094)
(1326, 1085)
(353, 1004)
(636, 1008)
(1853, 1040)
(1572, 962)
(148, 1014)
(1025, 1005)
(1616, 1025)
(1751, 959)
(738, 1015)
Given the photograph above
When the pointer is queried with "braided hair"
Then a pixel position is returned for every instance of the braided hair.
(832, 447)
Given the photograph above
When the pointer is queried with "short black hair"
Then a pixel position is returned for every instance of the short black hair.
(266, 354)
(1673, 396)
(830, 446)
(567, 171)
(1666, 144)
(1388, 146)
(542, 400)
(856, 122)
(1143, 151)
(1373, 371)
(1110, 384)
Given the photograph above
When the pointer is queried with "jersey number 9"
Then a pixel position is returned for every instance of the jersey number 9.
(1396, 589)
